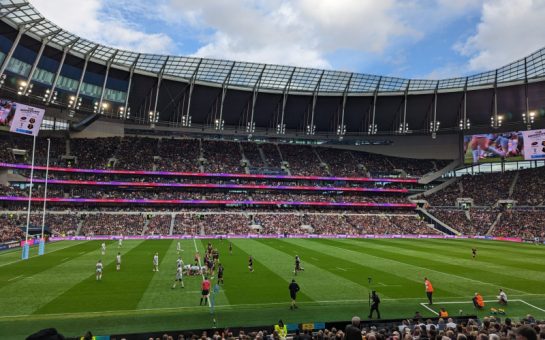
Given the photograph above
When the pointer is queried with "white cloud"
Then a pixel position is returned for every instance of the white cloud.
(87, 19)
(508, 30)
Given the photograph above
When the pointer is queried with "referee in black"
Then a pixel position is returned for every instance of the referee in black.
(374, 306)
(294, 288)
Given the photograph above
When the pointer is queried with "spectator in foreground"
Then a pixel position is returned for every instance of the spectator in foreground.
(353, 331)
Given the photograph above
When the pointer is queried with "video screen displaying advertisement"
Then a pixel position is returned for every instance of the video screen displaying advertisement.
(507, 146)
(7, 112)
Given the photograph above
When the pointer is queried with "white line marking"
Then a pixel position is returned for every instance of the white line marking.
(341, 269)
(385, 285)
(82, 252)
(529, 304)
(315, 259)
(428, 308)
(66, 258)
(6, 264)
(249, 305)
(15, 278)
(195, 243)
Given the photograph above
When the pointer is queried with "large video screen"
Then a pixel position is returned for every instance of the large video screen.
(7, 112)
(507, 146)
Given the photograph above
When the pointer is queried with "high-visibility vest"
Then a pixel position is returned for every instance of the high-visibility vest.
(429, 287)
(282, 331)
(443, 314)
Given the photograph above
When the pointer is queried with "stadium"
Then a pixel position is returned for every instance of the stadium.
(127, 178)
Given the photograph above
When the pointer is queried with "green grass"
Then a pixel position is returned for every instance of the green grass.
(59, 289)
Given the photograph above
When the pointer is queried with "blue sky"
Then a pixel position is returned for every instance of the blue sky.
(405, 38)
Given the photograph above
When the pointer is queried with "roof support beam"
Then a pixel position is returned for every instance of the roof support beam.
(35, 64)
(7, 58)
(58, 73)
(250, 128)
(341, 129)
(80, 82)
(220, 123)
(102, 92)
(465, 124)
(404, 126)
(281, 128)
(435, 124)
(154, 116)
(373, 127)
(186, 120)
(131, 74)
(311, 128)
(496, 122)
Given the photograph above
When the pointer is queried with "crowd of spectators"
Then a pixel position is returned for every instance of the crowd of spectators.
(529, 187)
(178, 155)
(485, 189)
(527, 224)
(112, 224)
(159, 225)
(222, 157)
(168, 154)
(467, 222)
(9, 228)
(252, 154)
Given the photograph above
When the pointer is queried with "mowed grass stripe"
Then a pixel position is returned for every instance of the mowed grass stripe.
(12, 257)
(117, 290)
(261, 286)
(515, 248)
(315, 281)
(361, 267)
(36, 265)
(485, 258)
(41, 285)
(448, 266)
(357, 253)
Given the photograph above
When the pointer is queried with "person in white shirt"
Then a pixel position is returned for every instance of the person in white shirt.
(451, 324)
(156, 262)
(118, 262)
(120, 242)
(99, 270)
(103, 247)
(502, 298)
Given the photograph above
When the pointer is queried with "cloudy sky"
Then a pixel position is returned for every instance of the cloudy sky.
(406, 38)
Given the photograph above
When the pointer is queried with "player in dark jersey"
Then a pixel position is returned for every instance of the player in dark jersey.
(474, 253)
(294, 289)
(220, 274)
(251, 264)
(230, 248)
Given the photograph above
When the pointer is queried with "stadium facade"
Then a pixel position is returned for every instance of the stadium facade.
(81, 80)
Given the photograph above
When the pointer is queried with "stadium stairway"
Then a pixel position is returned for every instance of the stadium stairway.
(432, 176)
(514, 184)
(433, 190)
(436, 223)
(493, 225)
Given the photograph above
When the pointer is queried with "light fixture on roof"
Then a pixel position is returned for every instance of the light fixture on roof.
(529, 119)
(250, 127)
(434, 127)
(373, 129)
(281, 129)
(496, 123)
(2, 79)
(219, 124)
(311, 130)
(186, 121)
(341, 130)
(464, 125)
(404, 128)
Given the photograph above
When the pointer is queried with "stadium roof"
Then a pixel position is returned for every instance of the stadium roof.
(251, 76)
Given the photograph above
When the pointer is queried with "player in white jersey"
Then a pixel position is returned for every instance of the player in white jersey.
(179, 277)
(178, 248)
(179, 262)
(156, 262)
(99, 270)
(103, 248)
(120, 242)
(118, 261)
